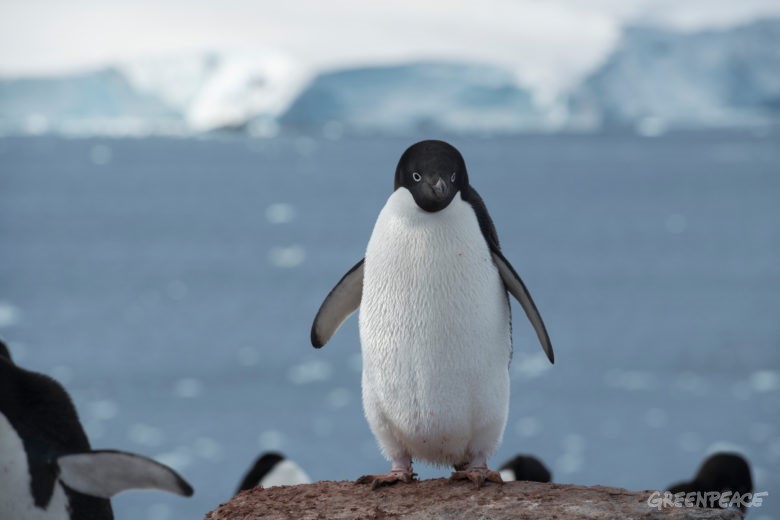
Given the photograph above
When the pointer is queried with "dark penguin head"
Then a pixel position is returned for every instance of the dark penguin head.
(525, 467)
(720, 472)
(433, 172)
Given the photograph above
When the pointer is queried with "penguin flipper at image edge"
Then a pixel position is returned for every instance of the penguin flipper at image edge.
(104, 473)
(341, 302)
(514, 284)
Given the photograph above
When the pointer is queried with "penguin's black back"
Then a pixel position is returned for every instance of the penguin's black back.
(43, 415)
(262, 466)
(526, 467)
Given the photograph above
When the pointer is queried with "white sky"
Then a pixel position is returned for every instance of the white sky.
(547, 43)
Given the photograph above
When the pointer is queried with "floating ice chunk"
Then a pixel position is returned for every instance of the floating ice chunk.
(572, 459)
(574, 443)
(179, 459)
(145, 435)
(310, 372)
(530, 366)
(95, 429)
(629, 379)
(263, 128)
(280, 213)
(690, 441)
(725, 446)
(248, 356)
(10, 314)
(188, 387)
(528, 426)
(100, 154)
(692, 383)
(103, 410)
(656, 418)
(339, 398)
(569, 463)
(290, 256)
(764, 381)
(270, 440)
(159, 512)
(207, 448)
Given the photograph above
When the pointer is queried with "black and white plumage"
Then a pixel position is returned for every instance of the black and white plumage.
(720, 472)
(273, 469)
(49, 469)
(435, 324)
(525, 467)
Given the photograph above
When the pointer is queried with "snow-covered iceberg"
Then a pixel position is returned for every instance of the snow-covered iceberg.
(658, 78)
(412, 97)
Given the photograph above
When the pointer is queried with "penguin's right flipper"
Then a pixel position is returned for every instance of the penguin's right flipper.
(104, 473)
(341, 302)
(517, 288)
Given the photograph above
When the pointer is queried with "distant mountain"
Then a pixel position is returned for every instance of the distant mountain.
(658, 78)
(403, 98)
(654, 79)
(213, 91)
(101, 102)
(170, 95)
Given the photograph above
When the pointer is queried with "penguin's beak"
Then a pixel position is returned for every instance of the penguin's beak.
(440, 189)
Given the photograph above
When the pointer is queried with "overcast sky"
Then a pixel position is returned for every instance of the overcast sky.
(546, 42)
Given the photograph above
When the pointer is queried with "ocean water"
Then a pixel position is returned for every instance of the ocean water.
(170, 286)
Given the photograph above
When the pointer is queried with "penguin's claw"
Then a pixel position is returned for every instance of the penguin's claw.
(388, 479)
(478, 476)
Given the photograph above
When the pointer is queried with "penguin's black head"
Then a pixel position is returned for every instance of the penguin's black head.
(433, 172)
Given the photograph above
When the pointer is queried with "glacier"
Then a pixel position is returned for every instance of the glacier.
(659, 78)
(398, 99)
(653, 79)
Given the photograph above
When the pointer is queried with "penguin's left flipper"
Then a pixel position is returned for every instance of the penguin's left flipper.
(516, 286)
(341, 302)
(104, 473)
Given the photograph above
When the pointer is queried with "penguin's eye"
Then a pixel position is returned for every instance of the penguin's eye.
(416, 176)
(453, 177)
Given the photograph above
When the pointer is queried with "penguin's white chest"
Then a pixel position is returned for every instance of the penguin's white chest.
(435, 333)
(16, 500)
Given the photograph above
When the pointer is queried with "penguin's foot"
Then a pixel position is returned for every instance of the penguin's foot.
(388, 479)
(478, 475)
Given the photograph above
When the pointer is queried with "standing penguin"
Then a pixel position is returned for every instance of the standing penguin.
(47, 468)
(435, 323)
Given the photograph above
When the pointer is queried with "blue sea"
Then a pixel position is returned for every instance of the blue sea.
(170, 285)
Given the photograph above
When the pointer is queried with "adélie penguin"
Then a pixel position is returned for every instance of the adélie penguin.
(435, 323)
(47, 468)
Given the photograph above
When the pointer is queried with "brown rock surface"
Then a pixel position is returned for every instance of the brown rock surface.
(440, 498)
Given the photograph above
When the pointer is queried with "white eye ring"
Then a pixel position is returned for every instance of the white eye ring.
(453, 177)
(416, 176)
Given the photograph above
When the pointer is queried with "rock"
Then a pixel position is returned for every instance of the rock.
(440, 498)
